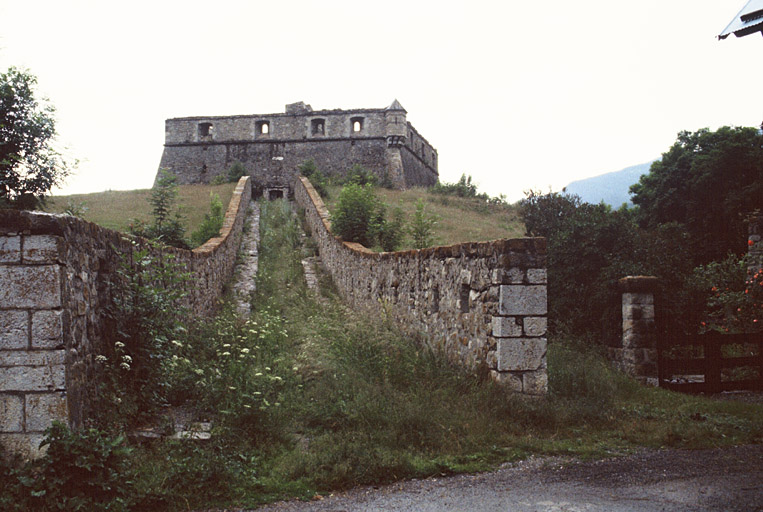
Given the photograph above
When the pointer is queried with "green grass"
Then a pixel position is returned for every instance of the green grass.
(116, 209)
(458, 219)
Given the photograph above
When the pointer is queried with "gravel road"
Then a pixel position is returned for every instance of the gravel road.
(728, 479)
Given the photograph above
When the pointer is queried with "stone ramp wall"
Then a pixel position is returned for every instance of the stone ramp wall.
(482, 304)
(55, 285)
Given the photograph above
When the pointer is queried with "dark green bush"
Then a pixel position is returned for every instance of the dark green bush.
(356, 217)
(211, 225)
(81, 471)
(236, 171)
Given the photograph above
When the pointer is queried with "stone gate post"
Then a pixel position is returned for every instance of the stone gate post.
(637, 354)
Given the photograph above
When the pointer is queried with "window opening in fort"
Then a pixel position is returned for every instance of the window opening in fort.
(263, 127)
(205, 129)
(357, 124)
(318, 126)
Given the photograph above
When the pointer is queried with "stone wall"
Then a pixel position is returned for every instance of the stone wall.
(56, 274)
(483, 304)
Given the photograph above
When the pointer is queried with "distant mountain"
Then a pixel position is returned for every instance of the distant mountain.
(612, 188)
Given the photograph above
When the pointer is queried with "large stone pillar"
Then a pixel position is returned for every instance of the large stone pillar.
(637, 354)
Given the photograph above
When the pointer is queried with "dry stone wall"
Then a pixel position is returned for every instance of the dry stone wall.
(483, 304)
(56, 274)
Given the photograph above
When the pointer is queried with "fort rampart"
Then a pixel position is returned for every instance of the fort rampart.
(483, 304)
(272, 146)
(56, 275)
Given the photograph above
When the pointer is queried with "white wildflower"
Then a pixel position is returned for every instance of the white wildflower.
(101, 359)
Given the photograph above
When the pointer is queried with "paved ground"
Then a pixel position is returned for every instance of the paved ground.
(668, 480)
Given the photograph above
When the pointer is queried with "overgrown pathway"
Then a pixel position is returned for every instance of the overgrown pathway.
(246, 270)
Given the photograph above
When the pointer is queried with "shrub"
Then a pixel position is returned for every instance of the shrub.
(83, 470)
(236, 171)
(211, 225)
(358, 175)
(167, 226)
(422, 227)
(391, 231)
(463, 188)
(356, 217)
(309, 170)
(146, 313)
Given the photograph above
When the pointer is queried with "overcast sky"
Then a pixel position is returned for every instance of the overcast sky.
(519, 94)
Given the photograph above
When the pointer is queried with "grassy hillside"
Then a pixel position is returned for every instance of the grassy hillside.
(459, 219)
(116, 209)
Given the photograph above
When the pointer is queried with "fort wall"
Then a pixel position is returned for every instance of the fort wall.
(272, 146)
(483, 304)
(56, 284)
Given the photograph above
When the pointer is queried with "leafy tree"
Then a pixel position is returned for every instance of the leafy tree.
(543, 214)
(29, 166)
(708, 182)
(590, 247)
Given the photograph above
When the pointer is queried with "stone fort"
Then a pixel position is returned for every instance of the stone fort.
(272, 146)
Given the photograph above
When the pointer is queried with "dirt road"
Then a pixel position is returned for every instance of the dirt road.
(669, 480)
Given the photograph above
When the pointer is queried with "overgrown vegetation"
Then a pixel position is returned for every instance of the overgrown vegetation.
(167, 224)
(211, 225)
(308, 397)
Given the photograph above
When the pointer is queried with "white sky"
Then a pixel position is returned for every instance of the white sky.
(519, 94)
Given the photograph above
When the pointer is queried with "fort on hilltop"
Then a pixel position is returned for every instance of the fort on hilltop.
(272, 146)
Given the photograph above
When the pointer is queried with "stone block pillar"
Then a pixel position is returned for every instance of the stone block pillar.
(32, 365)
(637, 354)
(519, 330)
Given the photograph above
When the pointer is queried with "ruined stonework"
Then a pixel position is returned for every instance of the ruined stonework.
(272, 146)
(482, 303)
(56, 275)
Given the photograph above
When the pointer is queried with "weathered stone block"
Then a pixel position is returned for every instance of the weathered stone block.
(11, 413)
(37, 287)
(521, 354)
(535, 325)
(31, 358)
(535, 383)
(506, 327)
(25, 445)
(637, 311)
(14, 330)
(510, 276)
(537, 276)
(638, 298)
(47, 329)
(33, 378)
(42, 410)
(10, 249)
(41, 249)
(522, 300)
(510, 381)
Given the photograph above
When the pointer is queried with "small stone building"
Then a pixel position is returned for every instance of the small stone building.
(272, 146)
